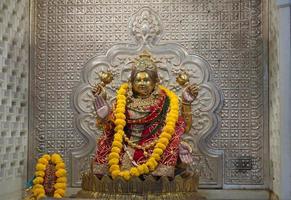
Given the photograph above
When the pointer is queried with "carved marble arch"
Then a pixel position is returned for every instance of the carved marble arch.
(146, 29)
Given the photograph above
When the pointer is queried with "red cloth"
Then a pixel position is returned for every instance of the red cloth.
(170, 154)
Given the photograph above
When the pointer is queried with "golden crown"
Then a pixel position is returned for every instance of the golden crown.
(145, 62)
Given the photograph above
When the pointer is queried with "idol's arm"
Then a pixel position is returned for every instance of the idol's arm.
(102, 108)
(187, 115)
(189, 94)
(102, 111)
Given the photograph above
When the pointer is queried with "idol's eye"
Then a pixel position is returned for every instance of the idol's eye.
(138, 80)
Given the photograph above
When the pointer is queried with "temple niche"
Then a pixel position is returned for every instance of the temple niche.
(134, 64)
(137, 99)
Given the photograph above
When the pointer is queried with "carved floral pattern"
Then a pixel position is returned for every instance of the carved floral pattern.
(173, 59)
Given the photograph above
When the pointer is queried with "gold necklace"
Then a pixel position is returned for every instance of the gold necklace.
(143, 147)
(141, 103)
(129, 156)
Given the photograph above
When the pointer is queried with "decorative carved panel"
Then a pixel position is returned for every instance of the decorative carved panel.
(146, 29)
(228, 34)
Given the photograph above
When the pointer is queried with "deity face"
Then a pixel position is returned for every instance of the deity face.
(142, 84)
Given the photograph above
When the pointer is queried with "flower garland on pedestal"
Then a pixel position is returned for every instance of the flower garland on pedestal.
(161, 144)
(50, 177)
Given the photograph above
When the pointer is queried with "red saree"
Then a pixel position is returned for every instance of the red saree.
(152, 124)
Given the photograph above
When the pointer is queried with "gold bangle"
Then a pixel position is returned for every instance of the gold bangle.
(189, 113)
(186, 103)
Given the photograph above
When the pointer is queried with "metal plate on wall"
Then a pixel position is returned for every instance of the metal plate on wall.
(146, 28)
(227, 33)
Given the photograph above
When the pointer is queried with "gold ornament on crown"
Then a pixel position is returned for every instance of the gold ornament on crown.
(145, 62)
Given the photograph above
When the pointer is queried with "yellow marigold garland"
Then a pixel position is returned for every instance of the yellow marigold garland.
(61, 182)
(164, 138)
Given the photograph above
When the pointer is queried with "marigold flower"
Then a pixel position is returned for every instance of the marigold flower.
(124, 86)
(40, 167)
(169, 129)
(39, 173)
(121, 122)
(115, 173)
(120, 110)
(175, 110)
(166, 135)
(145, 168)
(171, 123)
(38, 180)
(40, 196)
(118, 128)
(151, 159)
(119, 96)
(121, 173)
(113, 161)
(62, 180)
(60, 166)
(38, 191)
(158, 151)
(161, 146)
(113, 155)
(156, 156)
(114, 167)
(38, 186)
(164, 141)
(150, 165)
(57, 196)
(118, 137)
(121, 91)
(117, 144)
(134, 172)
(55, 156)
(173, 114)
(170, 120)
(60, 192)
(120, 116)
(58, 161)
(115, 150)
(42, 161)
(121, 101)
(120, 105)
(46, 156)
(140, 169)
(60, 186)
(61, 172)
(126, 175)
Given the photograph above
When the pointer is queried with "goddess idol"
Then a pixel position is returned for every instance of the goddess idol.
(142, 130)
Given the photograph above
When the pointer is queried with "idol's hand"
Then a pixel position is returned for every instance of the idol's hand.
(102, 107)
(185, 151)
(190, 92)
(97, 89)
(105, 78)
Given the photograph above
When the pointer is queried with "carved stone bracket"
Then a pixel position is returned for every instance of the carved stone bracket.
(146, 29)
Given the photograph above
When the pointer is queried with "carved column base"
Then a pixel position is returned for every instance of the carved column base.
(136, 188)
